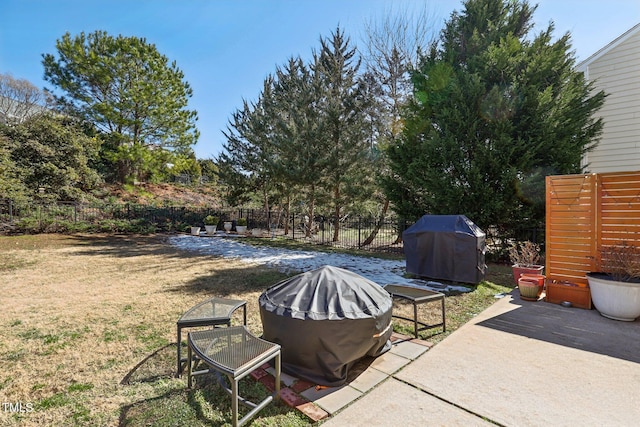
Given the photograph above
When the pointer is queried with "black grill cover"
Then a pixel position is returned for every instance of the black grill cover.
(326, 320)
(446, 247)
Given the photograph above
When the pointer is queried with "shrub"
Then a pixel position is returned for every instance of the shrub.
(211, 220)
(525, 254)
(621, 262)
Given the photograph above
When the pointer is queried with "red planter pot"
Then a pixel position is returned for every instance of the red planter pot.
(519, 271)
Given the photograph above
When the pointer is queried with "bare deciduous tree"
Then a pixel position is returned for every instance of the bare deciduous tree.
(393, 46)
(19, 99)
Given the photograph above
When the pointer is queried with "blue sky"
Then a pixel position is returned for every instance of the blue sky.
(226, 48)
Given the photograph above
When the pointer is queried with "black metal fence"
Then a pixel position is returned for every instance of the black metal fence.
(365, 233)
(357, 232)
(57, 216)
(350, 232)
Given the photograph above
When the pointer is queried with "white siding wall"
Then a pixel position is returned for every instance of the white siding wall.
(617, 72)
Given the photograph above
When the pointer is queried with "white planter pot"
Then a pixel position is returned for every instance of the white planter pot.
(614, 299)
(227, 226)
(257, 232)
(241, 228)
(195, 231)
(211, 229)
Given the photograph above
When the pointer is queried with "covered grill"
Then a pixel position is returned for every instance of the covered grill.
(326, 320)
(446, 247)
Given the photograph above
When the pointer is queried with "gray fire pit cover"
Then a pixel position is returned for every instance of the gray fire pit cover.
(326, 320)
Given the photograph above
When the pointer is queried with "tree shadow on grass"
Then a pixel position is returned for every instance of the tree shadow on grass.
(130, 245)
(206, 404)
(226, 277)
(153, 367)
(232, 279)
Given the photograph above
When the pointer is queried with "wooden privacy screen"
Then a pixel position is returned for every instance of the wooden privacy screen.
(585, 213)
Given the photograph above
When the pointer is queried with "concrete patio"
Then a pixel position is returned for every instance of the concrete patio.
(518, 363)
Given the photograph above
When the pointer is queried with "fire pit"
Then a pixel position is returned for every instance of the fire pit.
(325, 320)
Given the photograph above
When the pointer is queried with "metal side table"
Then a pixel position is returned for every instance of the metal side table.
(235, 352)
(212, 312)
(418, 296)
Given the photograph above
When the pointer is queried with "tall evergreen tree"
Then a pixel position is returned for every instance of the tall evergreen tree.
(246, 163)
(493, 111)
(309, 134)
(128, 91)
(346, 135)
(297, 129)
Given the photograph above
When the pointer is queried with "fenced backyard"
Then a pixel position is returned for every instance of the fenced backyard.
(359, 232)
(355, 232)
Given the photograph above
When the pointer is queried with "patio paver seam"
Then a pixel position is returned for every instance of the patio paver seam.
(467, 410)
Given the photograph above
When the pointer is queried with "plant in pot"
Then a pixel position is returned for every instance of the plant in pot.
(241, 225)
(211, 224)
(525, 260)
(615, 291)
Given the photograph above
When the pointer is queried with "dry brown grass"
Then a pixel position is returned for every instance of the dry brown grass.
(80, 312)
(87, 329)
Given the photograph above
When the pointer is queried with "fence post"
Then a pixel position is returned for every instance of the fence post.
(359, 231)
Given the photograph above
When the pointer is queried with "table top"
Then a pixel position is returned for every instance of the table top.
(211, 311)
(414, 294)
(230, 350)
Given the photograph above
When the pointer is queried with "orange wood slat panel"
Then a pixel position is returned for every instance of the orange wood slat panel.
(570, 248)
(611, 238)
(569, 226)
(563, 229)
(616, 215)
(619, 205)
(585, 212)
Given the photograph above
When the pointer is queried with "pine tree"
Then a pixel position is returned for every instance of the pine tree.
(130, 93)
(246, 163)
(297, 129)
(346, 132)
(308, 135)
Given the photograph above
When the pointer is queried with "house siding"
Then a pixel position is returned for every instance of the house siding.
(617, 72)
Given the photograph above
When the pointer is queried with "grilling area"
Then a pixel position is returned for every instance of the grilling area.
(552, 350)
(330, 329)
(360, 381)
